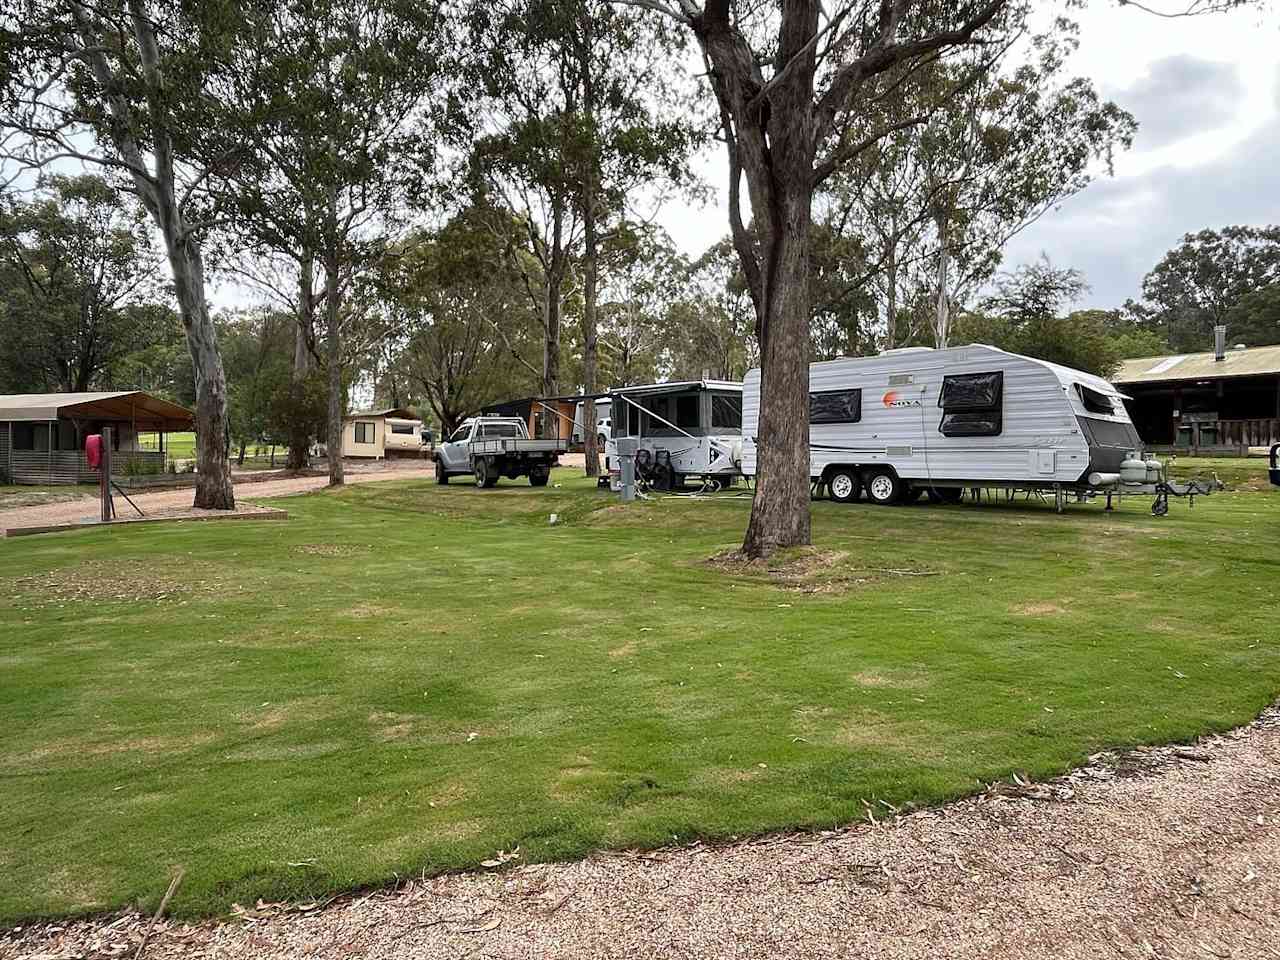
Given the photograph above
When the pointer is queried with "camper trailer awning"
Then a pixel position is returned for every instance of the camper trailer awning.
(128, 406)
(676, 386)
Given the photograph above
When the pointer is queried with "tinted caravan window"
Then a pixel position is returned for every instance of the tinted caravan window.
(972, 404)
(835, 406)
(1094, 401)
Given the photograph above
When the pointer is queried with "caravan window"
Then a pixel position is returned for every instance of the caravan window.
(405, 429)
(971, 391)
(1094, 401)
(726, 412)
(835, 406)
(687, 417)
(972, 404)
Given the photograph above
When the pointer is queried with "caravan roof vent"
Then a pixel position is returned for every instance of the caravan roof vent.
(897, 350)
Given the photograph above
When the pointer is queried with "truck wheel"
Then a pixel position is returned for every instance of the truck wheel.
(491, 474)
(538, 476)
(441, 476)
(844, 486)
(482, 474)
(884, 487)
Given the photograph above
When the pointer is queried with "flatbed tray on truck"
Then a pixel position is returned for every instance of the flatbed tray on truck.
(494, 446)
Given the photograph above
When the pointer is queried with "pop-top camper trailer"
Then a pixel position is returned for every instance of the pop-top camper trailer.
(683, 430)
(918, 420)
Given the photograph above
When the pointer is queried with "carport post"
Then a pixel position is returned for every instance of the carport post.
(104, 475)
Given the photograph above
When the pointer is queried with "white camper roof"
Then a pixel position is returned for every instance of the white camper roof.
(1067, 376)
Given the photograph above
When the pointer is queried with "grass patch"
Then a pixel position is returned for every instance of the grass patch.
(407, 677)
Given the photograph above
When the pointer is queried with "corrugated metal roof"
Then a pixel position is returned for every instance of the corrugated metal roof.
(404, 413)
(120, 405)
(1251, 362)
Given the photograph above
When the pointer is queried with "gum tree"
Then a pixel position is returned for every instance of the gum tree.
(118, 86)
(800, 88)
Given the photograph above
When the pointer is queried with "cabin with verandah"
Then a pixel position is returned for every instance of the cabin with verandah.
(42, 434)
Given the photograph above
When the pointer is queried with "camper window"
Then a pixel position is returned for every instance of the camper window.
(1094, 401)
(405, 429)
(686, 417)
(971, 391)
(835, 406)
(972, 404)
(726, 413)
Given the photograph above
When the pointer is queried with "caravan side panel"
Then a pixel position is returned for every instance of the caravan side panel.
(1040, 439)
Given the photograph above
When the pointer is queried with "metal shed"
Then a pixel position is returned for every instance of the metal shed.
(42, 434)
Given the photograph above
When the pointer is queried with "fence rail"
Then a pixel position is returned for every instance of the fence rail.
(69, 466)
(1249, 433)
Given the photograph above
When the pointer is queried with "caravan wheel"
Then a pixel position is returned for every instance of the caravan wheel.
(843, 485)
(884, 487)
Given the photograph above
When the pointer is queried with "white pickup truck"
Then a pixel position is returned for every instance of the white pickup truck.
(493, 447)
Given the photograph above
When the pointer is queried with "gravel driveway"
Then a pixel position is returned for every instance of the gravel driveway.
(163, 501)
(1160, 853)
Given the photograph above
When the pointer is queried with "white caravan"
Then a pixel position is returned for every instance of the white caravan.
(918, 420)
(604, 415)
(685, 429)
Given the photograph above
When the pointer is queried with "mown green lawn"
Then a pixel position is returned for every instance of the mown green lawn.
(406, 678)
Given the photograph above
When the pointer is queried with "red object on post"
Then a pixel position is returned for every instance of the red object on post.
(93, 450)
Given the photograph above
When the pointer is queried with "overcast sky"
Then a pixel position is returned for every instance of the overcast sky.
(1206, 93)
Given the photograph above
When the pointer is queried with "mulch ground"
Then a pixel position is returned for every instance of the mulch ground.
(1158, 853)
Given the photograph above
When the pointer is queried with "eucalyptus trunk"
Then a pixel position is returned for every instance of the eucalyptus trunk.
(304, 333)
(213, 466)
(780, 509)
(333, 359)
(942, 312)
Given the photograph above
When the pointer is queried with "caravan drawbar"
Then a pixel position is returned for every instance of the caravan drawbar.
(918, 420)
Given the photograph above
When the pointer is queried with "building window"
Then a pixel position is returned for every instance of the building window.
(835, 406)
(972, 405)
(24, 436)
(364, 431)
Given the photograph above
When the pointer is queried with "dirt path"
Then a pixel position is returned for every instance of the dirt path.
(86, 507)
(1165, 853)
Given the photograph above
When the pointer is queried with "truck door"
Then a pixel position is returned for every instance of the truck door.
(454, 450)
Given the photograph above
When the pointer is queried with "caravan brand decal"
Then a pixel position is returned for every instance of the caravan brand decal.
(894, 399)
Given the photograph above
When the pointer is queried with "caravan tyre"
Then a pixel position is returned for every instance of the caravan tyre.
(844, 486)
(884, 487)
